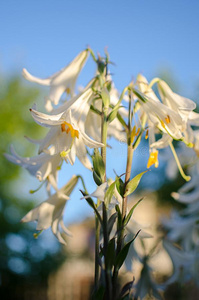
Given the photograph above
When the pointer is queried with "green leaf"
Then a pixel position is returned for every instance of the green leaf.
(97, 179)
(99, 294)
(109, 193)
(105, 97)
(132, 185)
(92, 204)
(113, 113)
(128, 217)
(123, 253)
(110, 254)
(111, 222)
(127, 287)
(119, 216)
(98, 164)
(120, 186)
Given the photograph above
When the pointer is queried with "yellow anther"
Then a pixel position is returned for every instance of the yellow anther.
(153, 159)
(74, 132)
(147, 134)
(68, 90)
(167, 119)
(134, 133)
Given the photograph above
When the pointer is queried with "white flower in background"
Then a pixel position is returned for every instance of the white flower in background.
(182, 105)
(62, 81)
(146, 285)
(183, 263)
(50, 212)
(189, 192)
(176, 102)
(40, 166)
(181, 229)
(67, 129)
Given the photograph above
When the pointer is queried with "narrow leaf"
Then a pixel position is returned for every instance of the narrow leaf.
(123, 253)
(92, 204)
(109, 193)
(132, 185)
(110, 254)
(111, 222)
(97, 178)
(128, 217)
(98, 164)
(127, 287)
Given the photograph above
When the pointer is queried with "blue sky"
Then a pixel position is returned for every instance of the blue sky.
(141, 36)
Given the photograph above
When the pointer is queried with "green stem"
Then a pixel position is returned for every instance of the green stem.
(97, 237)
(104, 125)
(120, 237)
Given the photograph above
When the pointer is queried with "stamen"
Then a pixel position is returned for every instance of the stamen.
(74, 132)
(147, 134)
(68, 90)
(153, 159)
(167, 119)
(134, 133)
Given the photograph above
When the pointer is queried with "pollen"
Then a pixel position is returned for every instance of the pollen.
(68, 90)
(167, 119)
(147, 134)
(153, 159)
(74, 132)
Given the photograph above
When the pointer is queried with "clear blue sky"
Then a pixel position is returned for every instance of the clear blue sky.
(141, 36)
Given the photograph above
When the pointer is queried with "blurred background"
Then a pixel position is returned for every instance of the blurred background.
(156, 38)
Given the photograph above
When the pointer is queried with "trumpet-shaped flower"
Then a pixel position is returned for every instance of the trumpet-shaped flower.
(183, 262)
(50, 212)
(176, 102)
(67, 129)
(40, 166)
(62, 81)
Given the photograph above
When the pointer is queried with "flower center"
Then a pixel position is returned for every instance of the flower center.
(74, 132)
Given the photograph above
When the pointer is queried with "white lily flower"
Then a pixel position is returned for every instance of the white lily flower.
(176, 102)
(164, 118)
(189, 192)
(180, 229)
(67, 129)
(146, 286)
(40, 166)
(183, 262)
(50, 212)
(62, 81)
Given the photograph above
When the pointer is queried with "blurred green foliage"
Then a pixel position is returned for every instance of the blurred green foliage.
(23, 259)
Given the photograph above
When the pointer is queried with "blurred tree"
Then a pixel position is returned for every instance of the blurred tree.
(23, 259)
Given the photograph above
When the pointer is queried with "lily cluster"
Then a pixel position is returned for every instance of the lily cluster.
(80, 121)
